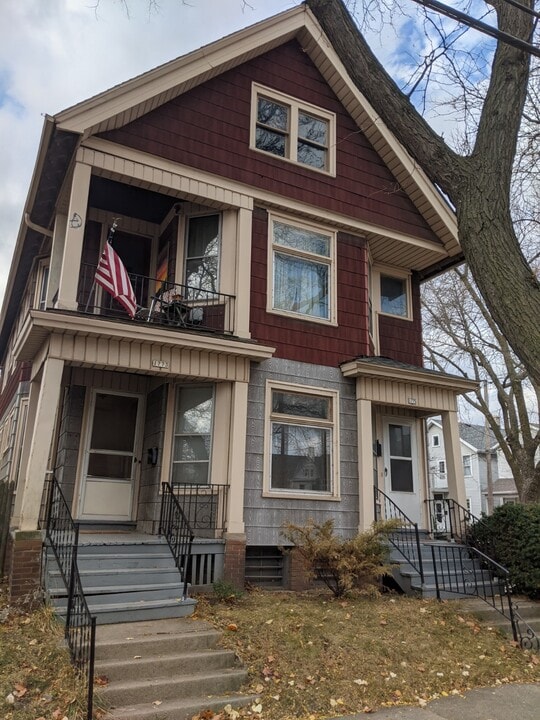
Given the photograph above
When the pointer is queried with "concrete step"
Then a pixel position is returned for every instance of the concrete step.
(166, 664)
(120, 577)
(181, 709)
(127, 612)
(105, 561)
(194, 685)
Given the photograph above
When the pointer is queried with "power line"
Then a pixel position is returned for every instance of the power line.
(479, 25)
(520, 6)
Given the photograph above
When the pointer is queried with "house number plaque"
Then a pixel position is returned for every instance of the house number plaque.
(160, 364)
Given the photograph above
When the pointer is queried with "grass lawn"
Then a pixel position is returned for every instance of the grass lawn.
(37, 681)
(310, 656)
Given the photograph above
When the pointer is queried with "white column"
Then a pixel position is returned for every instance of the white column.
(454, 461)
(40, 445)
(243, 273)
(71, 260)
(237, 458)
(33, 398)
(365, 464)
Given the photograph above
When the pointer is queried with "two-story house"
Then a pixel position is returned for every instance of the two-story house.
(276, 235)
(476, 449)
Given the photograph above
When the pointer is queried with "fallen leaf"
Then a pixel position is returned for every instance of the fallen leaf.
(232, 626)
(137, 657)
(157, 703)
(257, 708)
(360, 682)
(101, 680)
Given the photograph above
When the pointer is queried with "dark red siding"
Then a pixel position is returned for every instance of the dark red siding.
(307, 341)
(400, 339)
(21, 374)
(208, 128)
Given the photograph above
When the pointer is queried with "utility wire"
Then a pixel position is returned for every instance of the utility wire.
(479, 25)
(520, 6)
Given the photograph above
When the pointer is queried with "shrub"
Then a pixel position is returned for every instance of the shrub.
(225, 591)
(343, 564)
(511, 536)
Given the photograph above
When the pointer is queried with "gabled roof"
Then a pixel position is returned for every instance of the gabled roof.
(132, 99)
(474, 436)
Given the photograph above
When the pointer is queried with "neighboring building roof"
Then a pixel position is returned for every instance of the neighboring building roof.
(475, 435)
(504, 486)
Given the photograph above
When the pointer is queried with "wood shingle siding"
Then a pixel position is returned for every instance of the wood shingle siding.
(208, 128)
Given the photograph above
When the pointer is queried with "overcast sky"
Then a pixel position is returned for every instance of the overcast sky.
(55, 53)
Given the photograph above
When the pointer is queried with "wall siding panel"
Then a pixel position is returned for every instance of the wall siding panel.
(208, 128)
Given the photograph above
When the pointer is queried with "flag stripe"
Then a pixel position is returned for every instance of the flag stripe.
(112, 276)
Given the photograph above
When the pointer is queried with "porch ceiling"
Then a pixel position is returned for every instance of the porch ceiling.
(133, 347)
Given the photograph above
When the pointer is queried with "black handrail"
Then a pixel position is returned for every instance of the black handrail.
(448, 517)
(62, 533)
(406, 539)
(175, 527)
(465, 570)
(204, 505)
(160, 302)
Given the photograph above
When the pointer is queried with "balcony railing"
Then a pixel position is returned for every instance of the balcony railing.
(159, 302)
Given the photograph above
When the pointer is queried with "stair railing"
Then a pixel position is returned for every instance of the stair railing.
(465, 570)
(62, 533)
(175, 527)
(406, 539)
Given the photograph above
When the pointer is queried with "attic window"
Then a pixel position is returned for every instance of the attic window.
(292, 130)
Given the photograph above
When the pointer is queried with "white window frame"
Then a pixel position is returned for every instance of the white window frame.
(467, 465)
(330, 261)
(333, 424)
(435, 441)
(178, 388)
(184, 255)
(295, 106)
(394, 272)
(42, 285)
(442, 468)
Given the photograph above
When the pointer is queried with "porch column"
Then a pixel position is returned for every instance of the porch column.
(73, 243)
(454, 462)
(40, 445)
(243, 273)
(33, 397)
(57, 252)
(365, 464)
(237, 458)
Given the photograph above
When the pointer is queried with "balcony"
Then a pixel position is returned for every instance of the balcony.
(169, 305)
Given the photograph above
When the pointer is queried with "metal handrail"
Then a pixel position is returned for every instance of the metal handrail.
(161, 302)
(204, 505)
(465, 570)
(175, 527)
(62, 533)
(406, 540)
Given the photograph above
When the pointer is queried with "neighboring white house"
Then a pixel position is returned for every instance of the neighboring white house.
(473, 453)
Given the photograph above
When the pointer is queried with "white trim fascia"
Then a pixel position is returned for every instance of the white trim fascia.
(197, 66)
(450, 382)
(71, 324)
(256, 195)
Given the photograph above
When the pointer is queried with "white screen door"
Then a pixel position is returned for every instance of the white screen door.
(110, 462)
(400, 466)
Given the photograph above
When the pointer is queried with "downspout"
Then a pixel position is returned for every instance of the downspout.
(37, 228)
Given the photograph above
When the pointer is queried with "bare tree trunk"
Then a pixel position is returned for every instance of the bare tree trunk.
(479, 184)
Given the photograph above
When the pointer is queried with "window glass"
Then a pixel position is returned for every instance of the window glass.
(442, 467)
(193, 426)
(393, 295)
(467, 465)
(401, 475)
(400, 440)
(272, 114)
(202, 254)
(435, 441)
(301, 452)
(301, 270)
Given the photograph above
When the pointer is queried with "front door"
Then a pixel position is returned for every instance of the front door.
(111, 457)
(400, 466)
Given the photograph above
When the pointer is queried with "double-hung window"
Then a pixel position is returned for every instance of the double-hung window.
(202, 255)
(467, 465)
(302, 434)
(293, 130)
(302, 270)
(192, 441)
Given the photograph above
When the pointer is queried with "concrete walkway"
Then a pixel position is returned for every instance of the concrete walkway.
(508, 702)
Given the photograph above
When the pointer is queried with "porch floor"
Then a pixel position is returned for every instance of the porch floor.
(117, 538)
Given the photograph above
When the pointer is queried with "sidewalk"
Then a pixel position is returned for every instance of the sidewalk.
(508, 702)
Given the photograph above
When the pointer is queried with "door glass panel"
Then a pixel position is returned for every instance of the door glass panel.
(110, 466)
(115, 418)
(192, 434)
(400, 440)
(401, 475)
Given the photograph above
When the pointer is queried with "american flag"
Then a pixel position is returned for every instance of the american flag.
(112, 276)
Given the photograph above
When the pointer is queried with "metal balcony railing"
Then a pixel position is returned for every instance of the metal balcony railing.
(159, 302)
